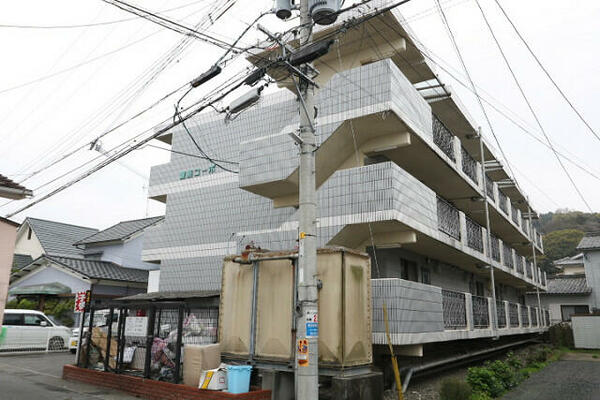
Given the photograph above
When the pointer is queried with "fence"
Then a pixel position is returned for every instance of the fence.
(448, 218)
(519, 262)
(495, 248)
(507, 252)
(454, 308)
(474, 235)
(469, 165)
(443, 138)
(513, 315)
(489, 187)
(514, 215)
(524, 316)
(481, 314)
(503, 200)
(501, 314)
(146, 340)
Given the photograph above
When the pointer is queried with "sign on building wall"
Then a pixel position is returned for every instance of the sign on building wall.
(82, 299)
(192, 173)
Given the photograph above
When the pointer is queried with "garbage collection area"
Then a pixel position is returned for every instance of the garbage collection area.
(240, 341)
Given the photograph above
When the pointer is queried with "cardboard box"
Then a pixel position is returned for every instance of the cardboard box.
(214, 379)
(199, 358)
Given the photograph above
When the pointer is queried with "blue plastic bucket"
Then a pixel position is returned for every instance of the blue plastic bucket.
(238, 378)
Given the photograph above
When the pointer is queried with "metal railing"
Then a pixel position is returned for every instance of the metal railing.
(503, 201)
(514, 215)
(489, 187)
(469, 165)
(543, 275)
(443, 138)
(547, 314)
(525, 226)
(507, 253)
(525, 316)
(529, 269)
(501, 314)
(534, 318)
(519, 263)
(513, 315)
(448, 218)
(454, 309)
(495, 248)
(538, 239)
(474, 235)
(481, 315)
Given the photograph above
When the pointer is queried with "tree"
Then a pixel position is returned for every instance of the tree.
(559, 244)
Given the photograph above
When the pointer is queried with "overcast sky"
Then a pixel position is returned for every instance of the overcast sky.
(43, 120)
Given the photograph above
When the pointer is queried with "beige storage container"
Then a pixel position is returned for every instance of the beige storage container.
(344, 308)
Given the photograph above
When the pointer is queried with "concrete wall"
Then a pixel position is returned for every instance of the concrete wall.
(591, 261)
(553, 303)
(8, 233)
(128, 254)
(31, 246)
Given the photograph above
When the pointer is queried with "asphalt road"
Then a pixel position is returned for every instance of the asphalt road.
(38, 376)
(564, 380)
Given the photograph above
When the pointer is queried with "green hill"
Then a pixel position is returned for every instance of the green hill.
(562, 232)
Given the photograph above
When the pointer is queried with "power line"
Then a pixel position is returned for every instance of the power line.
(93, 24)
(191, 155)
(535, 57)
(168, 23)
(81, 64)
(529, 105)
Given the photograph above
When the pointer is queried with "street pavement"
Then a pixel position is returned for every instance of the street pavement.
(564, 380)
(38, 376)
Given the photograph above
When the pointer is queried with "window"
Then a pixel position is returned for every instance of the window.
(479, 289)
(33, 320)
(12, 320)
(567, 311)
(409, 270)
(29, 234)
(426, 276)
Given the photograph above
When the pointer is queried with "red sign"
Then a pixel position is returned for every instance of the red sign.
(81, 300)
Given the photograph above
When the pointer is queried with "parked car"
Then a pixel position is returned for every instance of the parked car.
(31, 330)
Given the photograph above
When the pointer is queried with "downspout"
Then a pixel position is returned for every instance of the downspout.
(494, 316)
(537, 288)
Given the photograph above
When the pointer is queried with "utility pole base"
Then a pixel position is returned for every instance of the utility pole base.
(368, 386)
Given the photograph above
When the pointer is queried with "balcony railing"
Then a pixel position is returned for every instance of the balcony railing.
(525, 226)
(534, 318)
(525, 316)
(443, 138)
(513, 315)
(503, 200)
(543, 275)
(519, 263)
(495, 248)
(469, 166)
(538, 239)
(481, 312)
(529, 268)
(489, 187)
(448, 218)
(474, 235)
(514, 215)
(455, 311)
(501, 314)
(547, 314)
(507, 253)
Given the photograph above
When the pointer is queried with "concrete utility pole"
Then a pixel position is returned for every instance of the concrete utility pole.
(307, 352)
(494, 319)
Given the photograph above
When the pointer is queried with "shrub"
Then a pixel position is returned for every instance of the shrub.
(454, 389)
(484, 380)
(561, 335)
(504, 373)
(539, 356)
(480, 396)
(25, 304)
(514, 361)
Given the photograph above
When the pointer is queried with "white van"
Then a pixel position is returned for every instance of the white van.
(28, 330)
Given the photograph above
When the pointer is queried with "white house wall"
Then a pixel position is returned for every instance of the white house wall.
(128, 254)
(592, 275)
(50, 274)
(31, 246)
(553, 303)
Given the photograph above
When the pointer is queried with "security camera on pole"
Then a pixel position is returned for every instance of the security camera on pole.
(307, 334)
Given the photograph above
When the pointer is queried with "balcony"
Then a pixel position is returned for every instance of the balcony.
(420, 313)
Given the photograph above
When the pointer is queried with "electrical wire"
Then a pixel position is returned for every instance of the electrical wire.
(545, 70)
(530, 106)
(94, 24)
(191, 155)
(167, 23)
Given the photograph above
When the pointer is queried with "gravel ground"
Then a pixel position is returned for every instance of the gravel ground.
(564, 380)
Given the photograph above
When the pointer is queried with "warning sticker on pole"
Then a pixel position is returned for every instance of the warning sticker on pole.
(302, 353)
(312, 323)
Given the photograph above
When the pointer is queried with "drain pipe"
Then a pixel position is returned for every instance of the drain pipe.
(462, 357)
(494, 319)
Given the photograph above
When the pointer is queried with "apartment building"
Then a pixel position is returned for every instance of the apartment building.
(398, 170)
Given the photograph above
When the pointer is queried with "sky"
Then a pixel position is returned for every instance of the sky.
(42, 119)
